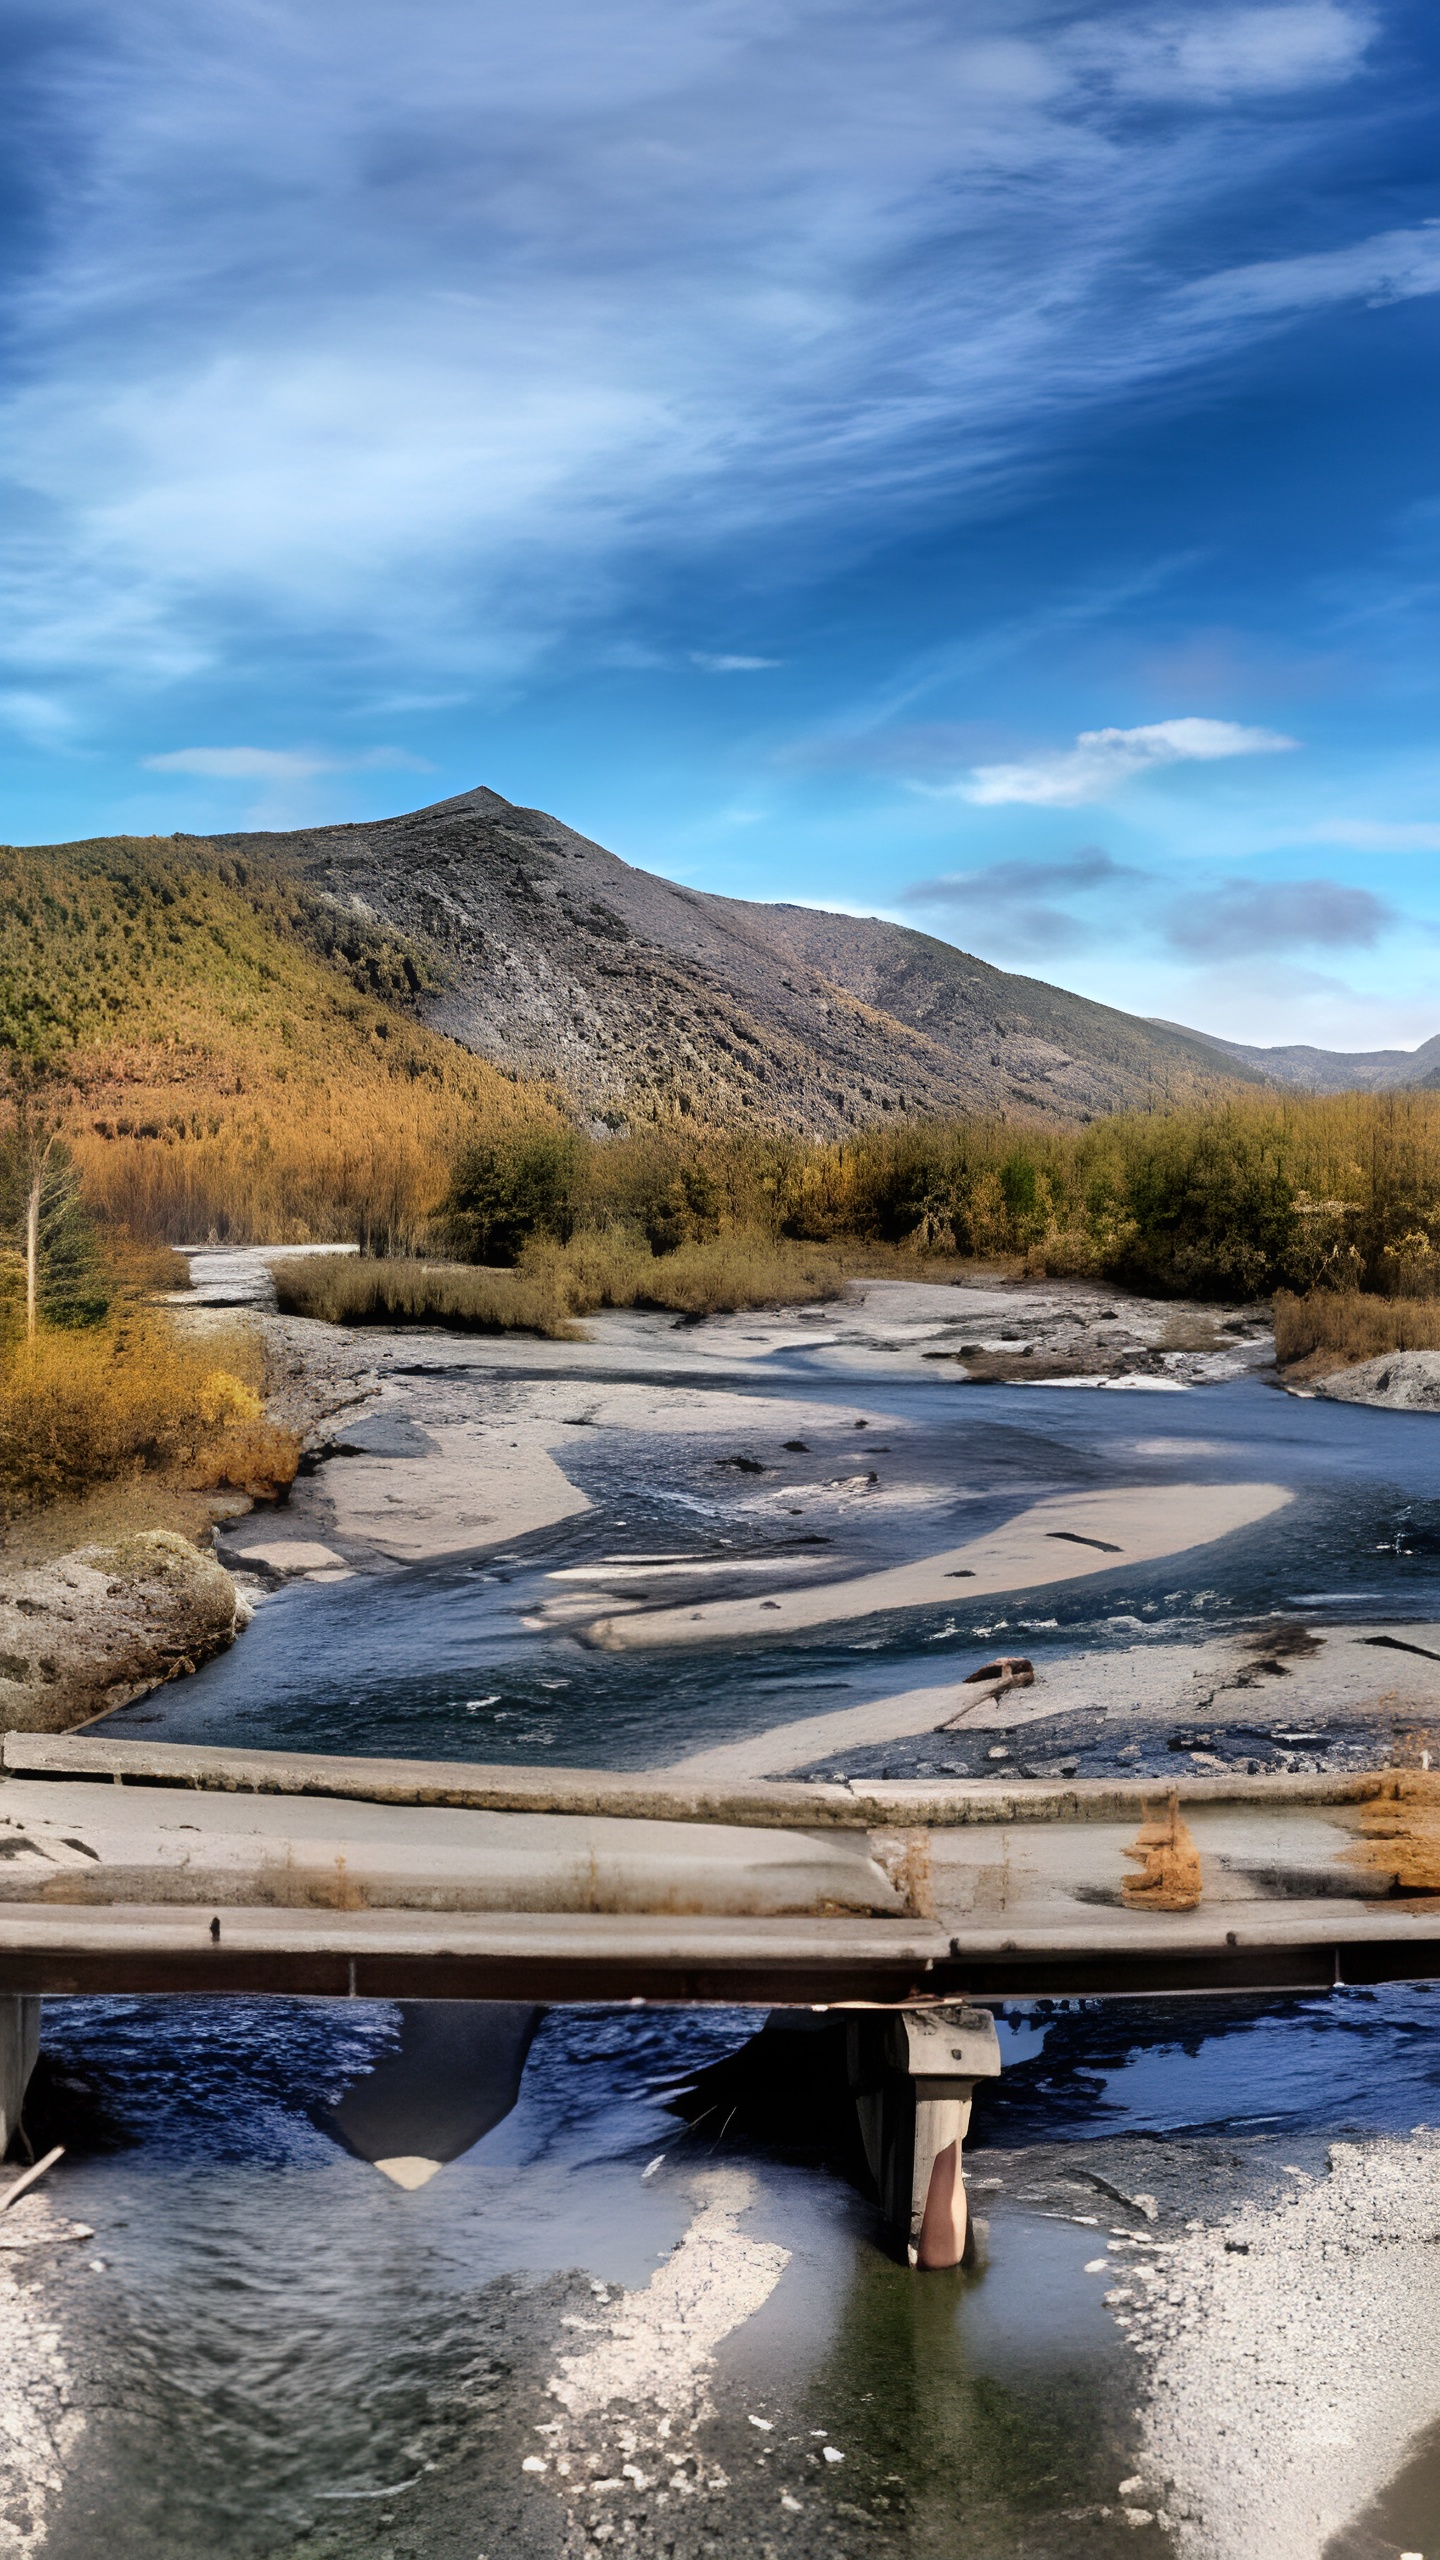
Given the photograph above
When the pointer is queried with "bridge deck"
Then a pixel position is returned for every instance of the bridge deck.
(132, 1866)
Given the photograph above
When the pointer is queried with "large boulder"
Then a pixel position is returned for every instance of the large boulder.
(101, 1626)
(1404, 1381)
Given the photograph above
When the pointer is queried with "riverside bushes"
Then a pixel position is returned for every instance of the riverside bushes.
(554, 1283)
(1223, 1200)
(1332, 1328)
(1232, 1198)
(80, 1409)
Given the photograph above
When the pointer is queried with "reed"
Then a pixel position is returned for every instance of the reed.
(1333, 1328)
(553, 1284)
(347, 1290)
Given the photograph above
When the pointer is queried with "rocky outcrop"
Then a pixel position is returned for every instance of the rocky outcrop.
(101, 1626)
(1403, 1381)
(649, 1000)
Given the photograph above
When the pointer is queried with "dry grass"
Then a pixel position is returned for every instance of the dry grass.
(85, 1408)
(1334, 1328)
(306, 1167)
(347, 1290)
(553, 1284)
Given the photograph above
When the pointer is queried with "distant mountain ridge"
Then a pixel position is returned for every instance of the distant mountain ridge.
(646, 999)
(1333, 1070)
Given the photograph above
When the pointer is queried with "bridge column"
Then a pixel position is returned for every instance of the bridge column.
(19, 2044)
(913, 2074)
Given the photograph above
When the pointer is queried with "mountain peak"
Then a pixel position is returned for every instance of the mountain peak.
(649, 1000)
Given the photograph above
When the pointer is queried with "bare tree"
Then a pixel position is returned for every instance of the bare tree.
(40, 1200)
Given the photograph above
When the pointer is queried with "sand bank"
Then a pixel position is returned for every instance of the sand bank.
(482, 1484)
(1057, 1541)
(655, 2352)
(1347, 1673)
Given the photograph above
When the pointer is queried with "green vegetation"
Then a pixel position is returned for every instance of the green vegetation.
(1231, 1200)
(49, 1254)
(126, 934)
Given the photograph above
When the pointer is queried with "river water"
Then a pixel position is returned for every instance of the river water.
(276, 2352)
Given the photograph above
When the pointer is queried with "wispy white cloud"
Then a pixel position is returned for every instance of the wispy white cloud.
(1230, 53)
(1103, 760)
(729, 666)
(37, 717)
(278, 764)
(1393, 266)
(1373, 835)
(420, 338)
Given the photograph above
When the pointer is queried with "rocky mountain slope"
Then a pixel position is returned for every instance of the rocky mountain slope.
(1333, 1070)
(646, 999)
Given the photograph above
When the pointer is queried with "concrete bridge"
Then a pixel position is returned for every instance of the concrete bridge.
(161, 1867)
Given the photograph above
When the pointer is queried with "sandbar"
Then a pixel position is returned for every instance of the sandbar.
(1351, 1671)
(486, 1485)
(1060, 1540)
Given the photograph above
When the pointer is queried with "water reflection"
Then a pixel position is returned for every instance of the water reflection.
(278, 2331)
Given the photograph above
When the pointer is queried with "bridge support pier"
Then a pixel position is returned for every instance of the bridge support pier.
(19, 2044)
(912, 2074)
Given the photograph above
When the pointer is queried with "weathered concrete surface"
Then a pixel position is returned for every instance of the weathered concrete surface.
(1281, 1880)
(105, 1624)
(81, 1843)
(1401, 1381)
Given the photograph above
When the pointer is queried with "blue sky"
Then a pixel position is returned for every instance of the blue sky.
(975, 464)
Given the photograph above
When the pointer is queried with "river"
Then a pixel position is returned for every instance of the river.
(275, 2352)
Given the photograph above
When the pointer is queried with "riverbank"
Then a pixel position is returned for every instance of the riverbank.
(108, 1596)
(452, 1445)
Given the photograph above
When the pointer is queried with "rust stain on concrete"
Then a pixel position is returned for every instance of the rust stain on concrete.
(1400, 1832)
(1165, 1852)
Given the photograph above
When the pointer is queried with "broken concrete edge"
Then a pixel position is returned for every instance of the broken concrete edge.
(781, 1805)
(97, 1628)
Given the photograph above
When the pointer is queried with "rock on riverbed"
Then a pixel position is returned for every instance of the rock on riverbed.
(1403, 1381)
(99, 1627)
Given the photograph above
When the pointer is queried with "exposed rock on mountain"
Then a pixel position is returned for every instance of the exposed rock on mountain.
(649, 1000)
(1331, 1070)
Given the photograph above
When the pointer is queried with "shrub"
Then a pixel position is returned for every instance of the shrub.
(80, 1409)
(1332, 1328)
(553, 1284)
(506, 1189)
